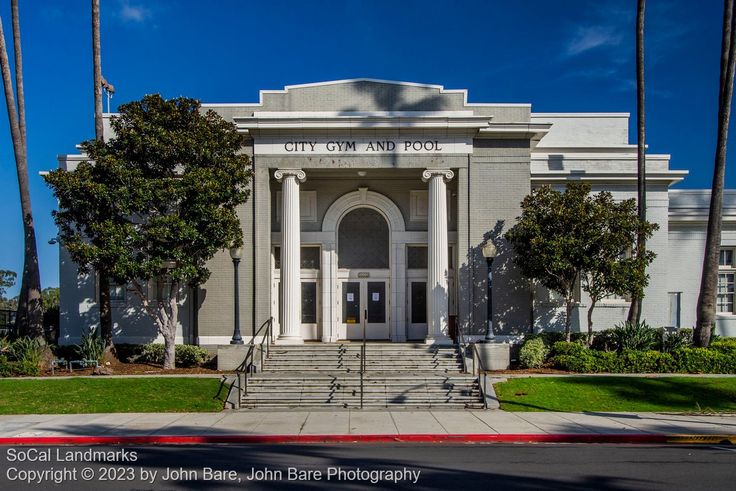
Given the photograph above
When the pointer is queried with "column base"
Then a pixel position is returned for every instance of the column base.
(442, 340)
(284, 340)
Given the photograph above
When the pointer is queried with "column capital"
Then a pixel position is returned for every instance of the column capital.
(446, 174)
(280, 174)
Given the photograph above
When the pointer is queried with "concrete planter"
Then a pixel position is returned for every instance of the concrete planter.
(495, 356)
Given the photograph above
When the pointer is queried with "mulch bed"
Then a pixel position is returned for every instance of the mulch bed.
(124, 368)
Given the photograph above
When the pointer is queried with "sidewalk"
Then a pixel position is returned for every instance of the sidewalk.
(401, 425)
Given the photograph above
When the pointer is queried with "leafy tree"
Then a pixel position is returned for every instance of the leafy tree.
(28, 318)
(612, 267)
(169, 182)
(7, 280)
(50, 299)
(565, 237)
(706, 309)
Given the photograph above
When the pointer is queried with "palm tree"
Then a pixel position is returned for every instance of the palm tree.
(29, 318)
(104, 279)
(709, 279)
(641, 169)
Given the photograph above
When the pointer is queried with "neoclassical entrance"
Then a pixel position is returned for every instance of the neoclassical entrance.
(360, 272)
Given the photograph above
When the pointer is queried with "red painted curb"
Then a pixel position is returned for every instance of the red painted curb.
(411, 438)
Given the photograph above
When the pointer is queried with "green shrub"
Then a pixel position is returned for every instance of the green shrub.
(91, 347)
(673, 341)
(646, 362)
(533, 353)
(637, 336)
(185, 355)
(189, 355)
(575, 357)
(27, 350)
(705, 360)
(604, 341)
(18, 368)
(724, 345)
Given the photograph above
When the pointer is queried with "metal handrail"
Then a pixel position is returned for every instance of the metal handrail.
(481, 372)
(362, 357)
(463, 346)
(243, 369)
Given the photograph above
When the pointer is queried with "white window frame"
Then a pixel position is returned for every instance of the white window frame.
(727, 267)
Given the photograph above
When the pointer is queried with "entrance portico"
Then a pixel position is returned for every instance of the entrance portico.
(363, 242)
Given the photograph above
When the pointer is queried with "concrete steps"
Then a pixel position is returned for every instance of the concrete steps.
(397, 375)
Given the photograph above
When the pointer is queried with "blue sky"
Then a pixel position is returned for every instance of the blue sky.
(559, 56)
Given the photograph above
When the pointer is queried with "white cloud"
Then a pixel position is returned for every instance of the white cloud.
(591, 37)
(134, 13)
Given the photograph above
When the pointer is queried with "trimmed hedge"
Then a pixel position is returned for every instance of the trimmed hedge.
(575, 357)
(185, 355)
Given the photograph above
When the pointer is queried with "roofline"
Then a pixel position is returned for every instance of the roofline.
(580, 115)
(375, 80)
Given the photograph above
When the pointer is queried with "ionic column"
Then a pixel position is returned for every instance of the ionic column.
(291, 288)
(437, 295)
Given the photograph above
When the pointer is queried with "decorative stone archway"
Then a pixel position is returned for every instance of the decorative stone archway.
(363, 198)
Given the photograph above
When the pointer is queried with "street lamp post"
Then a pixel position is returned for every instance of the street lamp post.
(235, 254)
(490, 253)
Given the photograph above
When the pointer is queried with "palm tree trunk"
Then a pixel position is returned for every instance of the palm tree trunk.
(29, 317)
(636, 301)
(709, 280)
(104, 280)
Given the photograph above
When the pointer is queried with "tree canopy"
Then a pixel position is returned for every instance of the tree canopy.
(155, 201)
(562, 238)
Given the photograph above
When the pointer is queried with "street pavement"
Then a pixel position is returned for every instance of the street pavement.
(365, 422)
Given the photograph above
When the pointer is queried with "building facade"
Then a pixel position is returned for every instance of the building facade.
(372, 200)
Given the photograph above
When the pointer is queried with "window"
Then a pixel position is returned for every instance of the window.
(416, 257)
(117, 293)
(726, 276)
(309, 257)
(675, 299)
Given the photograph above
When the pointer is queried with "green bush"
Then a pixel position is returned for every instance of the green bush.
(18, 368)
(185, 355)
(91, 347)
(575, 357)
(533, 353)
(637, 336)
(646, 362)
(705, 360)
(26, 350)
(724, 345)
(189, 355)
(673, 341)
(604, 341)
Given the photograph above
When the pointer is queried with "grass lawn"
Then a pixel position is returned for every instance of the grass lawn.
(618, 394)
(108, 395)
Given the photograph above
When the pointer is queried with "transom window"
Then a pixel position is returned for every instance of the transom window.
(363, 240)
(309, 257)
(726, 276)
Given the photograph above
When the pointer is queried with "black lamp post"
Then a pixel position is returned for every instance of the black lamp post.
(235, 254)
(490, 253)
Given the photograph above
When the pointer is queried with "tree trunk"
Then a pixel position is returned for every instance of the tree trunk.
(569, 303)
(590, 321)
(636, 301)
(709, 280)
(104, 283)
(97, 67)
(29, 317)
(170, 334)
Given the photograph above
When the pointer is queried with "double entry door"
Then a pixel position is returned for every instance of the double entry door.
(365, 299)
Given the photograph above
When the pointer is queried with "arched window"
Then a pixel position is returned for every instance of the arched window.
(363, 240)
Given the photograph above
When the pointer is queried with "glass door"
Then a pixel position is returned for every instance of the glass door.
(360, 296)
(417, 295)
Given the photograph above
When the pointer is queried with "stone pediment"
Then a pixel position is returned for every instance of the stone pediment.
(363, 95)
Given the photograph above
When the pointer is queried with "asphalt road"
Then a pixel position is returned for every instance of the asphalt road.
(394, 466)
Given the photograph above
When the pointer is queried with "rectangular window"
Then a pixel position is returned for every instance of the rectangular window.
(310, 257)
(726, 276)
(309, 303)
(117, 293)
(416, 257)
(674, 318)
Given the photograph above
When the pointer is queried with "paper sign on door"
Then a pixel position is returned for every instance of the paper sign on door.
(351, 297)
(376, 296)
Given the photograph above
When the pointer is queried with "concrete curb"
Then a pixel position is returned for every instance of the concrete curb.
(648, 438)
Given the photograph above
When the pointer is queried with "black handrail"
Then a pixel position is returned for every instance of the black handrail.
(244, 368)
